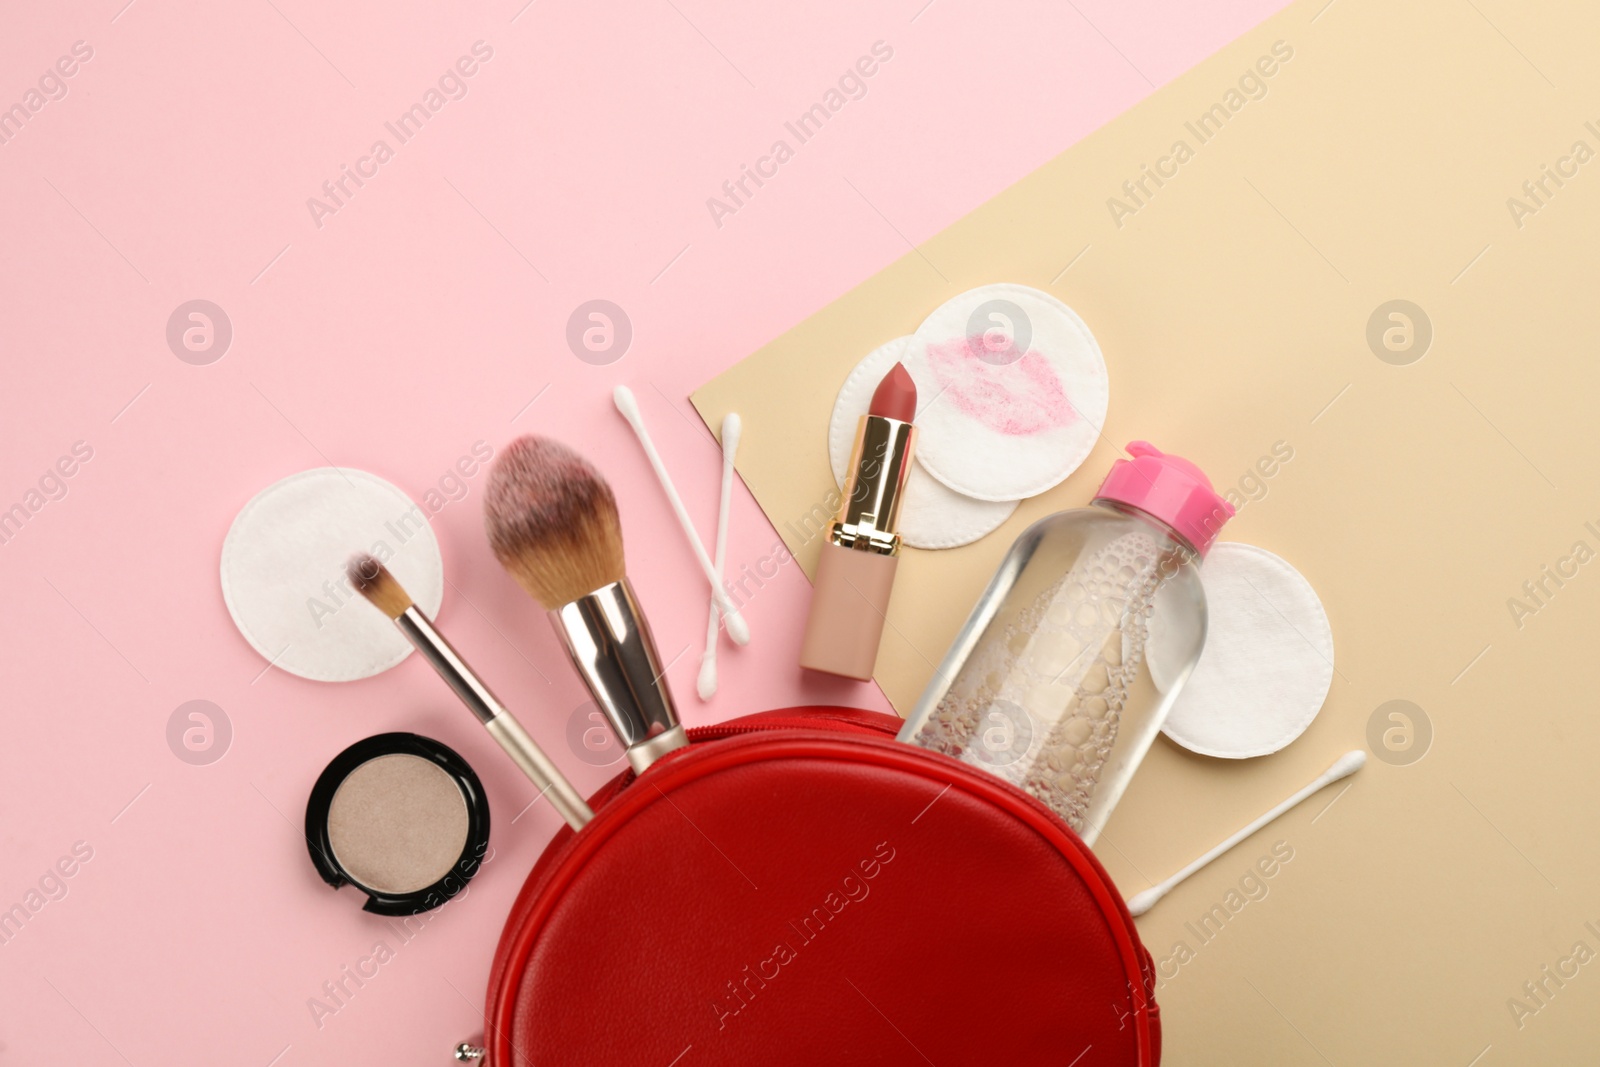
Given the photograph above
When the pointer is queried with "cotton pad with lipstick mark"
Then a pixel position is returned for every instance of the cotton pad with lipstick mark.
(932, 515)
(1014, 392)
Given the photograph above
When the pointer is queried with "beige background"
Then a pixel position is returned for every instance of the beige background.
(1232, 309)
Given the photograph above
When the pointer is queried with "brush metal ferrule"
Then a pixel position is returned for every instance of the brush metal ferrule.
(880, 463)
(609, 640)
(448, 662)
(508, 733)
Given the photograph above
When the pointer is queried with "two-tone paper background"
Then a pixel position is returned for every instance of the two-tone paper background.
(1336, 159)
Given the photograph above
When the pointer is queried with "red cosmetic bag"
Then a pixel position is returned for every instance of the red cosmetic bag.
(798, 888)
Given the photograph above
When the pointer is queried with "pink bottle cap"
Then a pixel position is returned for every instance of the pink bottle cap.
(1168, 488)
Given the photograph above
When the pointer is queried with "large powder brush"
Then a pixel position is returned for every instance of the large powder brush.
(552, 523)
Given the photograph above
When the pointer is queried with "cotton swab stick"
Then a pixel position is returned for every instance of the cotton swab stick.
(1346, 765)
(624, 399)
(706, 684)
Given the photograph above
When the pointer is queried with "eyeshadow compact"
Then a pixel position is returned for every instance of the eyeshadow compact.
(402, 818)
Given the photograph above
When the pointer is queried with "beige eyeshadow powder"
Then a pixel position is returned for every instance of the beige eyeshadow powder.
(398, 823)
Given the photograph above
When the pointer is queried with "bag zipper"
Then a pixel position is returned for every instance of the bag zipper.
(863, 721)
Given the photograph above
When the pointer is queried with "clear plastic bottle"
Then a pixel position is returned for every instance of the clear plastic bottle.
(1067, 667)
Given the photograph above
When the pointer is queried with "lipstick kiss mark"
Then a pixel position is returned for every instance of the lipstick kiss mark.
(1018, 399)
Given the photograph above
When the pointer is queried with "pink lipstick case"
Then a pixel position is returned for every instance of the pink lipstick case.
(848, 607)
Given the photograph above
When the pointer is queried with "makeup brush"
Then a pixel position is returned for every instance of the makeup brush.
(552, 522)
(706, 683)
(1343, 767)
(623, 397)
(373, 581)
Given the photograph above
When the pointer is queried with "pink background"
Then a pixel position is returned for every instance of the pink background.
(422, 317)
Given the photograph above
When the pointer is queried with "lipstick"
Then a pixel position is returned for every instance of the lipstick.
(855, 571)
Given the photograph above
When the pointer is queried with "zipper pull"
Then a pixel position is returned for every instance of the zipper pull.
(467, 1052)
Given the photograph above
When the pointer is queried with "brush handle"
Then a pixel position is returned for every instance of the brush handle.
(1345, 766)
(623, 396)
(526, 754)
(501, 724)
(706, 684)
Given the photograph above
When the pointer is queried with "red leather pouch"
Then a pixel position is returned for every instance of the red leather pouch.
(798, 888)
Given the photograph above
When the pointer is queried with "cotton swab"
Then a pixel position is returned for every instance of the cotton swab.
(624, 399)
(1346, 765)
(706, 684)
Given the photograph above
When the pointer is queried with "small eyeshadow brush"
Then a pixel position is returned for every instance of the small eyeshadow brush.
(373, 580)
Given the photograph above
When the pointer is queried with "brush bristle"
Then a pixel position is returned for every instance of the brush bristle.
(552, 521)
(373, 581)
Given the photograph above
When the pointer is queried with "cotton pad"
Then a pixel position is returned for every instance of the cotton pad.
(1014, 389)
(1267, 663)
(283, 572)
(931, 514)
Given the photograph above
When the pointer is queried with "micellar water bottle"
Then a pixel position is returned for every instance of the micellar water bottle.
(1067, 667)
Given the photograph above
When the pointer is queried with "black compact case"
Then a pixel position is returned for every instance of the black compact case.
(319, 808)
